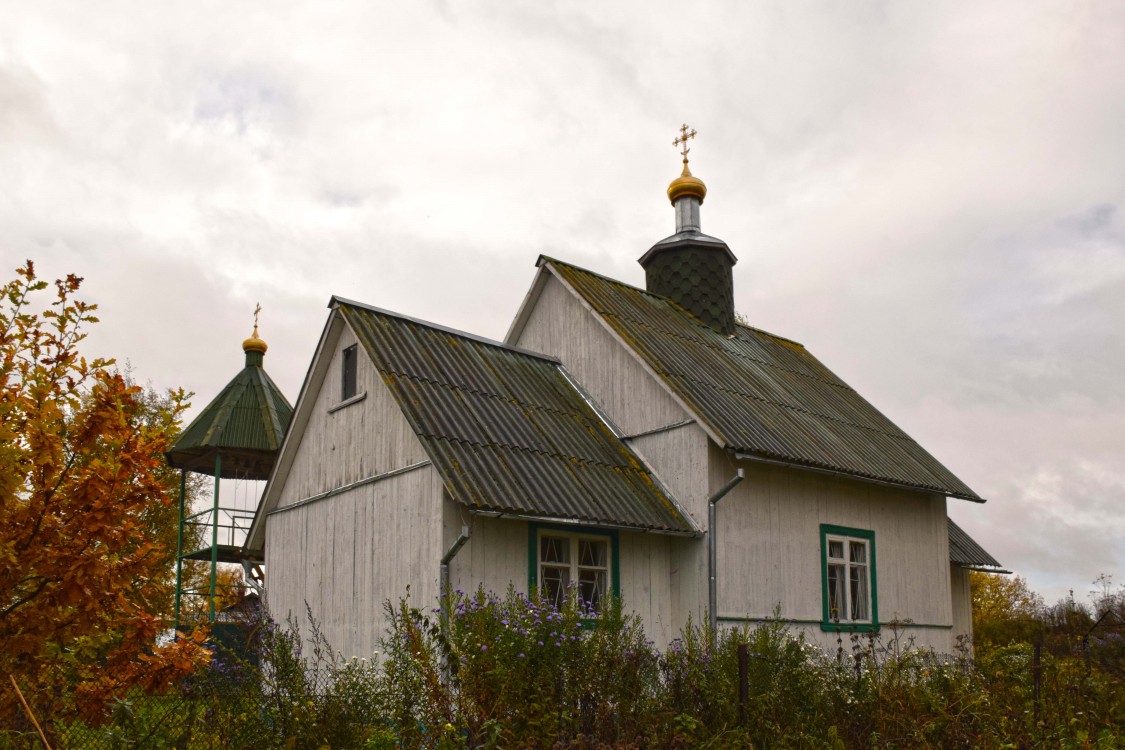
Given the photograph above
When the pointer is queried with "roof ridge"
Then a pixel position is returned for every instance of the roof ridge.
(771, 334)
(337, 301)
(547, 258)
(618, 282)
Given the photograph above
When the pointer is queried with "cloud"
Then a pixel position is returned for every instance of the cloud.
(927, 195)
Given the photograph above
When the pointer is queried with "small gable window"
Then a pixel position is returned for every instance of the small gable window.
(561, 561)
(848, 579)
(349, 373)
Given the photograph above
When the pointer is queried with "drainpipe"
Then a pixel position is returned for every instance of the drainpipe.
(444, 595)
(713, 548)
(448, 558)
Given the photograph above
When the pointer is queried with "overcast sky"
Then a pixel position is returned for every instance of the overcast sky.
(927, 195)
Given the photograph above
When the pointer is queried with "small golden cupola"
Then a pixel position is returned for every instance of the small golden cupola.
(255, 344)
(686, 184)
(690, 268)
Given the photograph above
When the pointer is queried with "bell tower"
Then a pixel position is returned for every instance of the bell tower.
(237, 439)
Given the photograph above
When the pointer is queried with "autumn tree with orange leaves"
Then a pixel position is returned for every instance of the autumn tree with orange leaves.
(84, 580)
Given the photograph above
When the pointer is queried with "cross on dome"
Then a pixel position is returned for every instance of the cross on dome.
(255, 343)
(682, 139)
(686, 184)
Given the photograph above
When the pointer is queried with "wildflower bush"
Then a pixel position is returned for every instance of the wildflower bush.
(488, 671)
(517, 670)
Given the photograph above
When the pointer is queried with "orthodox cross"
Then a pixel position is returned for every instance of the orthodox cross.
(682, 140)
(257, 309)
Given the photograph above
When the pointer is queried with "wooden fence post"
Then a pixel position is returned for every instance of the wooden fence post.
(743, 681)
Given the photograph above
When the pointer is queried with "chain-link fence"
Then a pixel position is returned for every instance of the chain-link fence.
(201, 715)
(143, 721)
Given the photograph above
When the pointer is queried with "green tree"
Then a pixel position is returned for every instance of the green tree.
(84, 492)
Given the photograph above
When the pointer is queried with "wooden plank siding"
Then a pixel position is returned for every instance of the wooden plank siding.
(341, 446)
(348, 553)
(497, 555)
(769, 549)
(680, 459)
(646, 583)
(962, 605)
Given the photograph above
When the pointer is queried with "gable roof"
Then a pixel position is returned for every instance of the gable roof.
(246, 422)
(964, 551)
(509, 431)
(760, 395)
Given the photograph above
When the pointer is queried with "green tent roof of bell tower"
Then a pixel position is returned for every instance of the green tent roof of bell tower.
(244, 424)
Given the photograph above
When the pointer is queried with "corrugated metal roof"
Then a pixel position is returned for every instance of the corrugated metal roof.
(507, 430)
(762, 394)
(246, 423)
(964, 551)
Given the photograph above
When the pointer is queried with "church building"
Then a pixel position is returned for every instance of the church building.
(639, 442)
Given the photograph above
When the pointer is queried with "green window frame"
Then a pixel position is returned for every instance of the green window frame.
(848, 580)
(537, 532)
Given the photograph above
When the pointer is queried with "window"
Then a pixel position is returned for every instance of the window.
(848, 579)
(349, 370)
(561, 558)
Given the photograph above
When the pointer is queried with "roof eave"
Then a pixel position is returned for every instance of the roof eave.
(744, 456)
(982, 568)
(686, 239)
(515, 516)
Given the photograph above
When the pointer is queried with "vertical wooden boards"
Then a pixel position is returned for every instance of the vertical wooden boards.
(348, 555)
(962, 604)
(495, 556)
(342, 445)
(561, 326)
(680, 459)
(769, 550)
(646, 584)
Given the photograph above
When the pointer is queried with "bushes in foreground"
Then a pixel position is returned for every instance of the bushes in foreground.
(512, 671)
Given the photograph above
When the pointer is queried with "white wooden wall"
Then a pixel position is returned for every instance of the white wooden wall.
(679, 457)
(498, 554)
(350, 553)
(962, 604)
(769, 549)
(347, 554)
(495, 555)
(646, 583)
(358, 441)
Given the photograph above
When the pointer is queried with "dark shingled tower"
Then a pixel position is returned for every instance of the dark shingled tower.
(691, 268)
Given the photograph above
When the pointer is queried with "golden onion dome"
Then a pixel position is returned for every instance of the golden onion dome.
(686, 184)
(254, 343)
